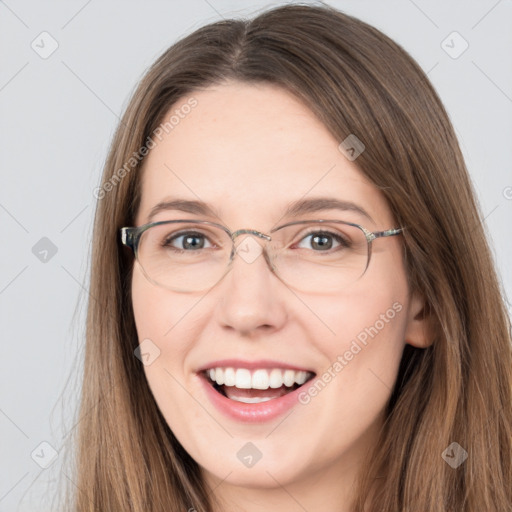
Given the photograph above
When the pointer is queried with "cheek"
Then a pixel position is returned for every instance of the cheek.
(362, 355)
(159, 313)
(361, 335)
(157, 318)
(366, 312)
(168, 323)
(148, 307)
(364, 338)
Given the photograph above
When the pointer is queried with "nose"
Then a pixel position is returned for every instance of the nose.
(252, 296)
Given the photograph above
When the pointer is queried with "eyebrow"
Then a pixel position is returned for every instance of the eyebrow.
(294, 209)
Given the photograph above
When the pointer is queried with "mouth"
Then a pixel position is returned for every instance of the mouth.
(252, 386)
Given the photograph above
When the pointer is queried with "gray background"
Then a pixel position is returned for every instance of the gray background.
(57, 118)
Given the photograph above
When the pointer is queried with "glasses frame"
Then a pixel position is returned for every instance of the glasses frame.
(130, 237)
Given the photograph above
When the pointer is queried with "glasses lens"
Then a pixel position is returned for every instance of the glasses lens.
(314, 257)
(184, 256)
(320, 257)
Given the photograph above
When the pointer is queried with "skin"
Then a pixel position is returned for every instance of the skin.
(249, 150)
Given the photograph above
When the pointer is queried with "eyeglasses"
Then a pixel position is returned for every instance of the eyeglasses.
(311, 256)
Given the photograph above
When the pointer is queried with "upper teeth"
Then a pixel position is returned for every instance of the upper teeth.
(259, 379)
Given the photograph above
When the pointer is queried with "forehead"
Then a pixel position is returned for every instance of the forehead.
(249, 151)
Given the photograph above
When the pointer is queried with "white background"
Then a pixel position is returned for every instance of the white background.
(57, 116)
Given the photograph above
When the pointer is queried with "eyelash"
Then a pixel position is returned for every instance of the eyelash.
(341, 241)
(337, 237)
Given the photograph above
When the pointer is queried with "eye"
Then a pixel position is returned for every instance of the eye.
(190, 240)
(324, 240)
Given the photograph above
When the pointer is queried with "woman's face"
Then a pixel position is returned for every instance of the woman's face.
(249, 151)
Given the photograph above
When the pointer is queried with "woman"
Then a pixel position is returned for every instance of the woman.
(294, 305)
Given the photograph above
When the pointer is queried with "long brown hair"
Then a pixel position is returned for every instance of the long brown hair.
(459, 389)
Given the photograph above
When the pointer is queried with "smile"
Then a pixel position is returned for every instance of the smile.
(257, 385)
(253, 392)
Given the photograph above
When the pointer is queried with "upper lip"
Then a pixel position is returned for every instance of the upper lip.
(251, 365)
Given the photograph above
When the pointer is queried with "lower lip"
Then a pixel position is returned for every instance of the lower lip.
(251, 413)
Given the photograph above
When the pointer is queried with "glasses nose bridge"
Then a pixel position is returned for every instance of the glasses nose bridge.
(258, 234)
(254, 232)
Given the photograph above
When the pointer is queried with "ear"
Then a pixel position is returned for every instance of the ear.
(419, 330)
